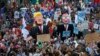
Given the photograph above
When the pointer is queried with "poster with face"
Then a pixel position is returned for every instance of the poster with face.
(38, 17)
(66, 18)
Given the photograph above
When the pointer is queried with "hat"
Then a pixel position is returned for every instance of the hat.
(36, 14)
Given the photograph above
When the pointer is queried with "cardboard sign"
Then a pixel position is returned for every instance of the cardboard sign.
(92, 37)
(43, 38)
(66, 33)
(16, 14)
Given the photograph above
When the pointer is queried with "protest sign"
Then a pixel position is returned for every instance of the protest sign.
(16, 14)
(92, 37)
(87, 10)
(85, 25)
(96, 26)
(76, 30)
(76, 19)
(81, 16)
(56, 16)
(43, 37)
(66, 33)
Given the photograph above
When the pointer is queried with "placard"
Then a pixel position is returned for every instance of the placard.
(76, 30)
(66, 33)
(96, 26)
(92, 37)
(43, 37)
(85, 25)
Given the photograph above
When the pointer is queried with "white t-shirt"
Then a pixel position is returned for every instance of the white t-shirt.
(80, 27)
(96, 26)
(56, 16)
(76, 19)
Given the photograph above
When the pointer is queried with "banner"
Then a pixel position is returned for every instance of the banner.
(85, 25)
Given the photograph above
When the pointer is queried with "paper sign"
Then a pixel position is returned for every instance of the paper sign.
(16, 14)
(66, 33)
(76, 30)
(92, 37)
(96, 26)
(76, 19)
(85, 25)
(81, 16)
(43, 37)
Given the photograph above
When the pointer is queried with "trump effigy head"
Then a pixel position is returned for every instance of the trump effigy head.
(65, 18)
(38, 17)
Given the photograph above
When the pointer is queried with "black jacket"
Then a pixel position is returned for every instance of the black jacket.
(35, 31)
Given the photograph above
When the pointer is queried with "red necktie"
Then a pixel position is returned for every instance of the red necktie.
(40, 28)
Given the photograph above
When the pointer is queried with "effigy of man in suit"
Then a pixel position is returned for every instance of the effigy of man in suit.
(65, 26)
(39, 28)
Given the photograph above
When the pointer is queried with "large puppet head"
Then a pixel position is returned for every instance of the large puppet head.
(66, 18)
(38, 17)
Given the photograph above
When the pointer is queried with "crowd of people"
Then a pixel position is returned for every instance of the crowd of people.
(66, 22)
